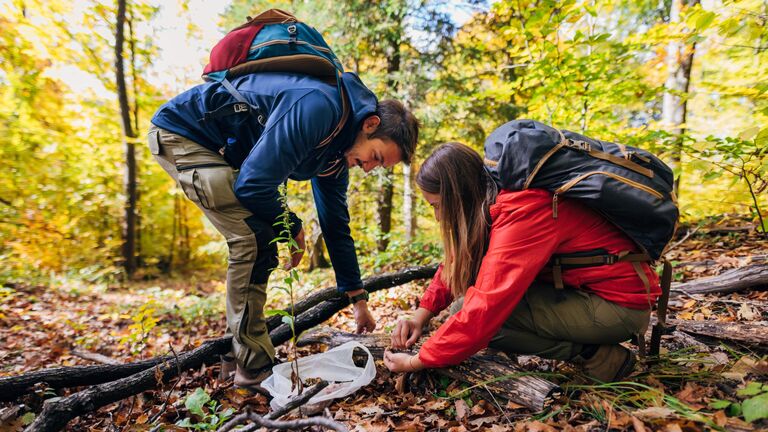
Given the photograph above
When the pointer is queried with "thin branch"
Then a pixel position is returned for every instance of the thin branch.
(287, 424)
(294, 402)
(685, 237)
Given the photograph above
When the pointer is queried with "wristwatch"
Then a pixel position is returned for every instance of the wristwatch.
(357, 297)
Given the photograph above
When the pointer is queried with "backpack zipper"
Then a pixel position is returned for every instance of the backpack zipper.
(570, 184)
(286, 42)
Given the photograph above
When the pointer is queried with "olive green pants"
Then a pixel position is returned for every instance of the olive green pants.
(555, 326)
(207, 180)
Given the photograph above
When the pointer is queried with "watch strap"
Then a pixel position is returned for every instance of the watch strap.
(357, 297)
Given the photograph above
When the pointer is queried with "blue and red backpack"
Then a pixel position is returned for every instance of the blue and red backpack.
(273, 41)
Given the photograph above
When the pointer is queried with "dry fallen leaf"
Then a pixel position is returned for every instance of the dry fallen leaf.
(673, 427)
(651, 413)
(638, 424)
(462, 409)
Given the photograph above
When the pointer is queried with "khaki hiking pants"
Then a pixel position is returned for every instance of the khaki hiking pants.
(207, 180)
(559, 328)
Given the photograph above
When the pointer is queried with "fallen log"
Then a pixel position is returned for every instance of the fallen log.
(74, 376)
(57, 412)
(489, 372)
(750, 334)
(14, 386)
(371, 284)
(753, 276)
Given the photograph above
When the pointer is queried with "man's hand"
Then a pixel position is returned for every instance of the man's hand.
(363, 317)
(405, 334)
(297, 250)
(402, 362)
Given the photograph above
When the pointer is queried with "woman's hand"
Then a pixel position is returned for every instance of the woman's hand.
(405, 334)
(402, 362)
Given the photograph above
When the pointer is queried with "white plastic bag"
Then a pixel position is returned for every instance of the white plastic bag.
(335, 366)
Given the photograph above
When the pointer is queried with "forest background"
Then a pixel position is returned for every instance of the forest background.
(101, 252)
(81, 197)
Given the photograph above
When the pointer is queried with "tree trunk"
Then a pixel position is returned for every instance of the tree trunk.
(491, 372)
(129, 179)
(409, 202)
(753, 276)
(386, 191)
(386, 185)
(316, 247)
(675, 104)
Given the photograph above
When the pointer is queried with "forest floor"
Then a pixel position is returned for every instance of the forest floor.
(722, 388)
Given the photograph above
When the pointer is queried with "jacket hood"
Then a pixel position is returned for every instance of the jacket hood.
(362, 101)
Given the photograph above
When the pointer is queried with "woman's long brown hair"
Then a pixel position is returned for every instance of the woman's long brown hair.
(456, 173)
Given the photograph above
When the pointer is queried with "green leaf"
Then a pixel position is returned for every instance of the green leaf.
(288, 320)
(751, 389)
(749, 133)
(273, 312)
(196, 401)
(761, 140)
(734, 410)
(719, 404)
(184, 423)
(755, 408)
(28, 418)
(704, 19)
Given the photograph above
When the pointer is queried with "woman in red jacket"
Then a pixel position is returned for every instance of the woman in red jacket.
(497, 248)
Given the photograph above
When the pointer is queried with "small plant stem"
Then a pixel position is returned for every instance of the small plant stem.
(757, 204)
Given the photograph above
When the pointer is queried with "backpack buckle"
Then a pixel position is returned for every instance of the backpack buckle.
(579, 145)
(292, 32)
(611, 259)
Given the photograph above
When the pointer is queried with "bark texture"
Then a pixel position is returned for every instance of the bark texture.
(753, 276)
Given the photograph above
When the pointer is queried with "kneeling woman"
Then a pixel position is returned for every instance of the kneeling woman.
(497, 248)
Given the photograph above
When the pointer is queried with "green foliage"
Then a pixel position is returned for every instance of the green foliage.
(754, 405)
(207, 412)
(144, 321)
(597, 67)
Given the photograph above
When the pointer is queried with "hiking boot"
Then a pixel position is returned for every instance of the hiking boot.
(251, 379)
(228, 367)
(609, 363)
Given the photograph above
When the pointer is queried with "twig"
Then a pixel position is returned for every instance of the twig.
(685, 237)
(294, 402)
(286, 424)
(297, 400)
(170, 391)
(504, 413)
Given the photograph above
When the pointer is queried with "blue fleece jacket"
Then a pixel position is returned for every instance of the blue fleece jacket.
(301, 112)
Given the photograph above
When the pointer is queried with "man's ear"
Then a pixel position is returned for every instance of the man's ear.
(371, 123)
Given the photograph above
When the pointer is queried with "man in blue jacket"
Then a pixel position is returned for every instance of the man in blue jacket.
(230, 164)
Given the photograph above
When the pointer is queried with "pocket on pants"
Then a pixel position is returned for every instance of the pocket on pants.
(189, 180)
(217, 186)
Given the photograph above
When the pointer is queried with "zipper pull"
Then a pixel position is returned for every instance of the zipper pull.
(554, 206)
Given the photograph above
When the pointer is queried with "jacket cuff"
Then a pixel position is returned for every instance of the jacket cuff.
(341, 289)
(429, 305)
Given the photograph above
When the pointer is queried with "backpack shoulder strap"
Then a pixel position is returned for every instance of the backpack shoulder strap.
(344, 116)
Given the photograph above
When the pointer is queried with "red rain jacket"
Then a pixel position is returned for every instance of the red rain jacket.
(524, 235)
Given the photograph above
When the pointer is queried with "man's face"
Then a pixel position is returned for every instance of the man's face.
(369, 153)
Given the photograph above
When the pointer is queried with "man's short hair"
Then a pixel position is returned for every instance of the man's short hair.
(399, 125)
